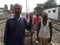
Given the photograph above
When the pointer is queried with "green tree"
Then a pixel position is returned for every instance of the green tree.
(11, 8)
(38, 9)
(5, 7)
(50, 4)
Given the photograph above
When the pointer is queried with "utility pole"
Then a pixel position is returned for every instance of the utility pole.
(26, 10)
(27, 18)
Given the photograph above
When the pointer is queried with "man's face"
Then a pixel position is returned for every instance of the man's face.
(45, 17)
(17, 9)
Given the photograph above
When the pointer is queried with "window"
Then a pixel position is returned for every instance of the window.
(54, 11)
(49, 11)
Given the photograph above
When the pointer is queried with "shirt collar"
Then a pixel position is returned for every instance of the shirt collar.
(13, 17)
(19, 17)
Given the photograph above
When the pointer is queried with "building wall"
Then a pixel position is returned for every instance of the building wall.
(59, 13)
(52, 13)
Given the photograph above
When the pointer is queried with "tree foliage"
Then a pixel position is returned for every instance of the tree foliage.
(11, 8)
(5, 7)
(49, 4)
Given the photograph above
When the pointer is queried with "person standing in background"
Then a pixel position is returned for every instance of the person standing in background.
(45, 30)
(36, 21)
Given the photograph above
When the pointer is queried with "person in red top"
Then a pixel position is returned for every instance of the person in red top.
(35, 27)
(37, 19)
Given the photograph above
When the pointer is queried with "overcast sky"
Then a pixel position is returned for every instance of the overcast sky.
(30, 5)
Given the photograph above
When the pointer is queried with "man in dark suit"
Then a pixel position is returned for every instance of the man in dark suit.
(15, 28)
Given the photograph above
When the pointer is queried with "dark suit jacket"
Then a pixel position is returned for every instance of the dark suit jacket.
(15, 31)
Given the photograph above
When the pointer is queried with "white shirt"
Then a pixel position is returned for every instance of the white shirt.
(18, 18)
(44, 30)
